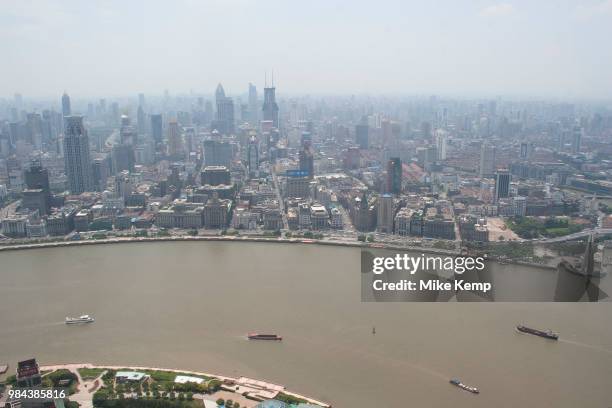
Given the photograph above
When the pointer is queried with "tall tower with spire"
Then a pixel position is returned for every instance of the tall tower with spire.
(270, 107)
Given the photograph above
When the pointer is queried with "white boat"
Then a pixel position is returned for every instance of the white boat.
(80, 319)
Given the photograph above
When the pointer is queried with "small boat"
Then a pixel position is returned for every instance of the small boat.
(259, 336)
(80, 319)
(461, 385)
(542, 333)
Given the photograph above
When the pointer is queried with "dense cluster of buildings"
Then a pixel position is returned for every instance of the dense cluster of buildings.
(439, 169)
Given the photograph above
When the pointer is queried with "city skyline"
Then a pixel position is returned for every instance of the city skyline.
(487, 48)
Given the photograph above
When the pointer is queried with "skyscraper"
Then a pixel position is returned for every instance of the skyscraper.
(487, 160)
(253, 111)
(270, 108)
(361, 135)
(217, 153)
(175, 140)
(576, 139)
(156, 128)
(393, 183)
(386, 213)
(66, 111)
(502, 185)
(253, 156)
(225, 112)
(76, 156)
(306, 159)
(441, 139)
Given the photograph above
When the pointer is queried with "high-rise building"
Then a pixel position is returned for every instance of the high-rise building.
(225, 112)
(76, 156)
(270, 108)
(253, 156)
(576, 139)
(66, 110)
(38, 193)
(441, 139)
(385, 213)
(215, 175)
(487, 160)
(253, 111)
(142, 125)
(156, 127)
(502, 184)
(217, 153)
(122, 158)
(393, 183)
(526, 150)
(306, 159)
(127, 133)
(361, 135)
(175, 140)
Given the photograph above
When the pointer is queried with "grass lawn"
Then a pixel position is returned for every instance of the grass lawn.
(90, 373)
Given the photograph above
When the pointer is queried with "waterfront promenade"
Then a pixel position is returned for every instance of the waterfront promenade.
(87, 388)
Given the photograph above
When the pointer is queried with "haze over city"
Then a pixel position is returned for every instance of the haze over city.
(305, 204)
(480, 48)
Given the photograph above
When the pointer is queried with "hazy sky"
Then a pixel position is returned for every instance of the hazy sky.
(116, 48)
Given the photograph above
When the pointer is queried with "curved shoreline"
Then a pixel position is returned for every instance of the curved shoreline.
(125, 240)
(76, 366)
(213, 238)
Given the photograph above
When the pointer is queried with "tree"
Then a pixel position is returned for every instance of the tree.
(221, 402)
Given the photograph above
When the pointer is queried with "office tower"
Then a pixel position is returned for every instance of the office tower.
(127, 133)
(385, 213)
(502, 185)
(36, 177)
(306, 159)
(217, 153)
(142, 124)
(487, 160)
(270, 108)
(141, 100)
(156, 128)
(175, 140)
(523, 150)
(66, 111)
(101, 172)
(215, 176)
(361, 135)
(253, 111)
(123, 158)
(76, 156)
(253, 156)
(393, 182)
(225, 112)
(37, 196)
(576, 139)
(441, 140)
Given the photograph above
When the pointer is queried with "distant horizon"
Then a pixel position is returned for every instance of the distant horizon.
(544, 49)
(280, 94)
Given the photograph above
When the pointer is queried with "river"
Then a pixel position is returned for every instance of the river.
(189, 305)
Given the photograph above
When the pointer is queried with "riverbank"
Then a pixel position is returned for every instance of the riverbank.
(125, 240)
(229, 383)
(279, 240)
